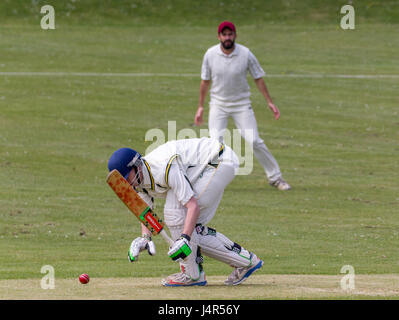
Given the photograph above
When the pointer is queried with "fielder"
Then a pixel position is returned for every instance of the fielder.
(191, 174)
(226, 65)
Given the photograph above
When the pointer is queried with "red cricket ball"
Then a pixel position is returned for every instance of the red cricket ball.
(84, 278)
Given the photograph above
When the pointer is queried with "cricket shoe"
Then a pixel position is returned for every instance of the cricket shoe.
(181, 279)
(241, 274)
(280, 184)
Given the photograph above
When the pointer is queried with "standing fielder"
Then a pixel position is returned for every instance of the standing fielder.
(192, 175)
(227, 65)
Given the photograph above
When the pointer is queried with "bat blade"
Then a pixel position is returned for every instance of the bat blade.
(135, 204)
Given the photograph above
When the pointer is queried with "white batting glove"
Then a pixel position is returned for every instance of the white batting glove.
(139, 244)
(181, 249)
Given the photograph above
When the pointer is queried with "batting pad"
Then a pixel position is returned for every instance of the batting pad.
(217, 246)
(192, 264)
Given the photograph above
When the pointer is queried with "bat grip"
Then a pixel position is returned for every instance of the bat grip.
(166, 237)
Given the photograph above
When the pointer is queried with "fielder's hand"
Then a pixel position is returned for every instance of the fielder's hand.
(198, 119)
(181, 249)
(275, 110)
(139, 244)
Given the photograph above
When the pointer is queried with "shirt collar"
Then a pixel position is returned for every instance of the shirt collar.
(234, 53)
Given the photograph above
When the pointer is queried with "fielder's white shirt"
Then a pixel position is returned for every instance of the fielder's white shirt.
(229, 74)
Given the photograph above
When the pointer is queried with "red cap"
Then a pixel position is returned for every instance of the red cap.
(226, 24)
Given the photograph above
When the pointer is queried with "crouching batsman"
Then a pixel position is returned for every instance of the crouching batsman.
(191, 175)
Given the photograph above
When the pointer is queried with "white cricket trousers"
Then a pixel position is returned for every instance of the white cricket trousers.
(245, 121)
(208, 189)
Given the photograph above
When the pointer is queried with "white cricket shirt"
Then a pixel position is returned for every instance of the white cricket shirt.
(176, 165)
(229, 74)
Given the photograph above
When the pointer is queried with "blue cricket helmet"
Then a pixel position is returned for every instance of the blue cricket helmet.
(124, 160)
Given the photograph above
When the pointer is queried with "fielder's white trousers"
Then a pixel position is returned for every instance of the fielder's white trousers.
(245, 121)
(208, 188)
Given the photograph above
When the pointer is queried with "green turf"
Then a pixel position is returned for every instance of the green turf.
(198, 13)
(336, 141)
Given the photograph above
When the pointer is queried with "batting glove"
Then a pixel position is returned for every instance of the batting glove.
(139, 244)
(181, 249)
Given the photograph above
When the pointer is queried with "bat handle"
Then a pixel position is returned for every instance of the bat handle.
(166, 237)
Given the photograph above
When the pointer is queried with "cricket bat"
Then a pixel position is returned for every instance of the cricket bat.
(136, 205)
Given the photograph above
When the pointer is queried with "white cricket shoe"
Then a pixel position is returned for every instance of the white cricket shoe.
(183, 280)
(280, 184)
(241, 274)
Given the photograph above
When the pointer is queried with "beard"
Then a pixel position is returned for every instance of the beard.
(228, 44)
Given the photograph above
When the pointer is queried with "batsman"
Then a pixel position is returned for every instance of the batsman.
(191, 174)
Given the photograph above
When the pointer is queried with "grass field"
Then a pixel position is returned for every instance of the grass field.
(336, 143)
